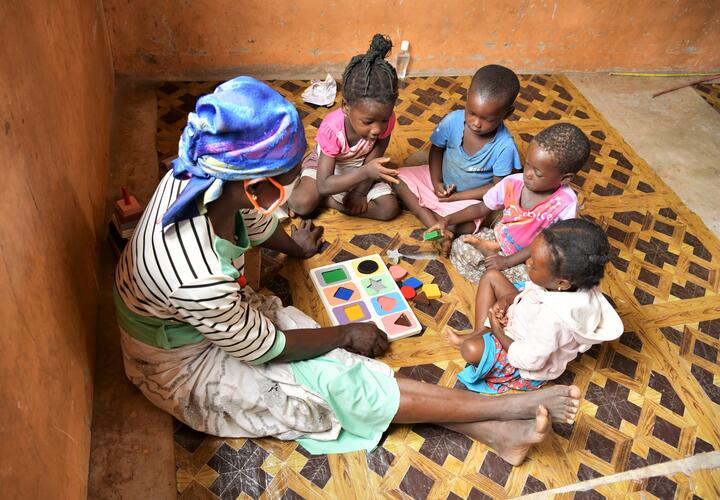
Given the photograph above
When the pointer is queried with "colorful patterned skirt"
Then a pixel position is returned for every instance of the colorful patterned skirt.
(494, 374)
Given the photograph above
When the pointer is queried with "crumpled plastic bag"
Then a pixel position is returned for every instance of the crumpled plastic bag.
(321, 92)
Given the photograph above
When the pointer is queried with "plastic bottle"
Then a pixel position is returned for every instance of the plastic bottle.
(403, 58)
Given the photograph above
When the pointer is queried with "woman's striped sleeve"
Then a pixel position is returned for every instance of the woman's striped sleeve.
(215, 306)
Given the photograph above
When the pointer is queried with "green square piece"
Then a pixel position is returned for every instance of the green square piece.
(334, 276)
(432, 235)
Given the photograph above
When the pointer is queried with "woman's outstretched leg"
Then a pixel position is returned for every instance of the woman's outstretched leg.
(419, 403)
(510, 439)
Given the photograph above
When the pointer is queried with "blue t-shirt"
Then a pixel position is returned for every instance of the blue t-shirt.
(498, 157)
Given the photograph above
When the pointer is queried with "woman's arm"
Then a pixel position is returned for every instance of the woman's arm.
(305, 241)
(361, 338)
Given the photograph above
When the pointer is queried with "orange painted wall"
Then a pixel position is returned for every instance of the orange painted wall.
(56, 89)
(169, 38)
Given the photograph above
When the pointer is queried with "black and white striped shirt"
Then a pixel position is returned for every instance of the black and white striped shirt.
(178, 273)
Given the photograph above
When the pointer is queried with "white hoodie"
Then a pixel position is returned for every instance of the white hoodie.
(550, 328)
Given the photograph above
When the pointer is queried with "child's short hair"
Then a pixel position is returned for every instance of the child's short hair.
(579, 250)
(496, 83)
(567, 144)
(370, 76)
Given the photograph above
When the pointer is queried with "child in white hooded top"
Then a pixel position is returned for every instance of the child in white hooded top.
(537, 332)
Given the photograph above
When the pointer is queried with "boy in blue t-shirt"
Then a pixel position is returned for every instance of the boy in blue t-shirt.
(471, 152)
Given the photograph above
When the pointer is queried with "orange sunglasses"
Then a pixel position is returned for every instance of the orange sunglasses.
(253, 197)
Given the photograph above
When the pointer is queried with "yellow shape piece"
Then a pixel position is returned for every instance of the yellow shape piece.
(432, 291)
(354, 312)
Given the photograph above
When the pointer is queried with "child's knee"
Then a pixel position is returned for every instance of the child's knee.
(302, 202)
(387, 208)
(472, 350)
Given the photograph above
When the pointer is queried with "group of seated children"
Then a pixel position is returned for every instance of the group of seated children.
(516, 228)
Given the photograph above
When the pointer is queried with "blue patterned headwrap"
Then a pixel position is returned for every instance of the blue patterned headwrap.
(243, 130)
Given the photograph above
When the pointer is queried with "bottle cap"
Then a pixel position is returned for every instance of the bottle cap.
(404, 45)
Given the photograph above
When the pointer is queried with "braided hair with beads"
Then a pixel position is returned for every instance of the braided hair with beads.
(579, 250)
(370, 76)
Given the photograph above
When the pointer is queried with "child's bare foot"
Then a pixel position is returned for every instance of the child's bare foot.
(454, 339)
(445, 246)
(561, 401)
(484, 246)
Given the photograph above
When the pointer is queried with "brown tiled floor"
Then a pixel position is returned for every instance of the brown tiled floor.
(650, 397)
(710, 92)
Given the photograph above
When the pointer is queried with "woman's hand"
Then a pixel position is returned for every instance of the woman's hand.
(308, 237)
(355, 203)
(365, 339)
(376, 171)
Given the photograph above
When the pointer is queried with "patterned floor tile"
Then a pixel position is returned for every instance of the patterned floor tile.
(650, 397)
(710, 92)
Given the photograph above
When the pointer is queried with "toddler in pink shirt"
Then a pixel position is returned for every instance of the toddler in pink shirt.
(530, 202)
(560, 313)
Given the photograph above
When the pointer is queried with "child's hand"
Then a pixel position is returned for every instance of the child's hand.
(440, 225)
(376, 171)
(450, 197)
(495, 322)
(496, 262)
(444, 243)
(355, 203)
(501, 306)
(442, 192)
(450, 194)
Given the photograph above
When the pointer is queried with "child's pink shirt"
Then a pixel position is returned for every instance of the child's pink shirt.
(519, 226)
(332, 139)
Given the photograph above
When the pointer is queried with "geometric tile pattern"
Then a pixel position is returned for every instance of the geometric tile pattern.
(710, 92)
(650, 397)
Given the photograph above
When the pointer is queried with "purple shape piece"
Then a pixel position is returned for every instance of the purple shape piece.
(339, 313)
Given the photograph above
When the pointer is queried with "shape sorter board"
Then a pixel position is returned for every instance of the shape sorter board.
(362, 290)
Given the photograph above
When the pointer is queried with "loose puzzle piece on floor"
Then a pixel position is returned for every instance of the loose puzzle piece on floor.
(363, 290)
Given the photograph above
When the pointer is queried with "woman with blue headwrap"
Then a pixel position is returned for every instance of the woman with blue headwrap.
(206, 348)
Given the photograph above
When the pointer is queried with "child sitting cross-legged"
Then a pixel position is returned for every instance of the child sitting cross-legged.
(530, 202)
(537, 332)
(471, 151)
(346, 171)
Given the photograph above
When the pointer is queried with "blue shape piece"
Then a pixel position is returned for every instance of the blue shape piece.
(412, 282)
(343, 293)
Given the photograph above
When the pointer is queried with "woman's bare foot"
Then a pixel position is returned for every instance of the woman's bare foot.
(484, 246)
(561, 401)
(454, 339)
(517, 436)
(510, 439)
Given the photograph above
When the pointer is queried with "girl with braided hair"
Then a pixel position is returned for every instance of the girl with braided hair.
(346, 169)
(537, 332)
